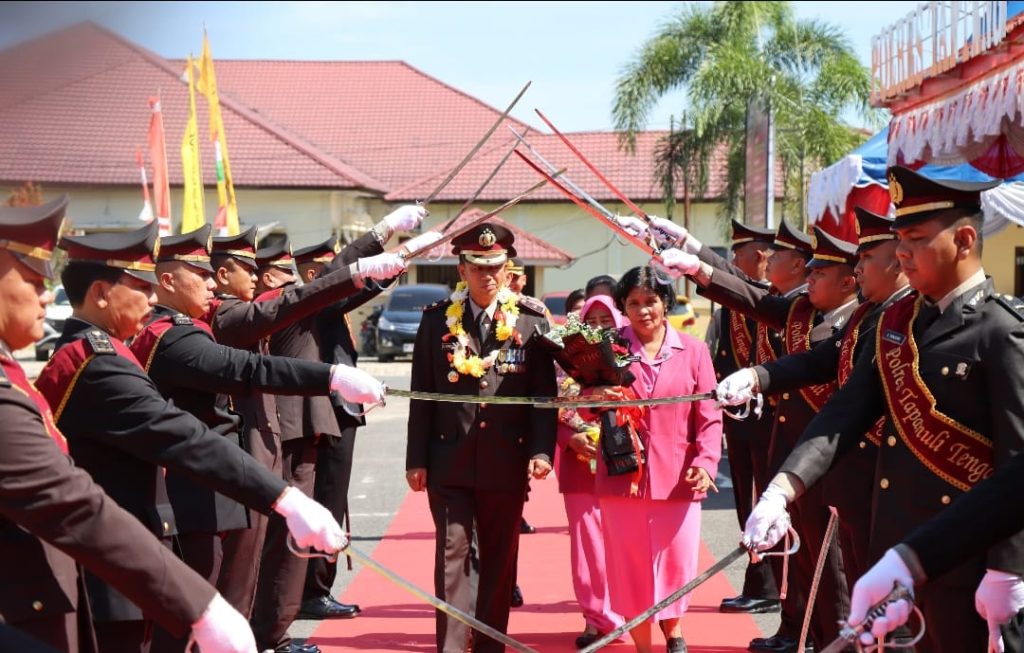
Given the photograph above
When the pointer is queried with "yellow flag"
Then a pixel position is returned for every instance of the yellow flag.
(193, 215)
(227, 206)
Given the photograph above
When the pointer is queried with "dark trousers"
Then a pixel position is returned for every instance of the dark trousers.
(282, 574)
(748, 450)
(242, 549)
(124, 636)
(202, 552)
(330, 488)
(953, 624)
(810, 518)
(496, 517)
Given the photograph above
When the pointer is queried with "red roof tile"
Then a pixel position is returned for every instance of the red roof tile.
(74, 110)
(530, 249)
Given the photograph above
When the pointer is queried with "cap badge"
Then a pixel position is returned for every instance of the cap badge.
(856, 226)
(895, 190)
(487, 238)
(814, 242)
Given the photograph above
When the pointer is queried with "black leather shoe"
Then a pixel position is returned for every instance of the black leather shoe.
(525, 528)
(517, 598)
(325, 607)
(750, 605)
(294, 647)
(776, 644)
(676, 645)
(586, 639)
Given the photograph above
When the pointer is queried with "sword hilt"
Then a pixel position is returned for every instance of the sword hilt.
(851, 634)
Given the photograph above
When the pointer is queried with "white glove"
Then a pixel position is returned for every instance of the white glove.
(381, 266)
(872, 588)
(633, 225)
(422, 241)
(355, 385)
(738, 388)
(310, 524)
(768, 521)
(406, 218)
(222, 629)
(670, 233)
(677, 263)
(1000, 595)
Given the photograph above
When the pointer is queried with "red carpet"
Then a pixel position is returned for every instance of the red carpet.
(394, 620)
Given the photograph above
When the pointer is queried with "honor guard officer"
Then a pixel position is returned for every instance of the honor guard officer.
(334, 454)
(52, 513)
(945, 370)
(882, 283)
(474, 459)
(238, 321)
(805, 319)
(122, 431)
(179, 353)
(732, 343)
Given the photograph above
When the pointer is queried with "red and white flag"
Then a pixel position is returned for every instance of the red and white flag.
(158, 155)
(146, 215)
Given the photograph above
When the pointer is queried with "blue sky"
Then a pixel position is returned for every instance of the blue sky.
(572, 51)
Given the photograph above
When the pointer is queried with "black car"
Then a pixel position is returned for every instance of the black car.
(400, 319)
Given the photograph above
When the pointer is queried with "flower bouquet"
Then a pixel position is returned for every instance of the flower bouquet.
(589, 355)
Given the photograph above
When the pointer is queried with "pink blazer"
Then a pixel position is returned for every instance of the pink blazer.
(675, 436)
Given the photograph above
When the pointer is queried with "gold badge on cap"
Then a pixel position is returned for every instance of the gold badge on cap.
(814, 242)
(856, 226)
(487, 238)
(895, 190)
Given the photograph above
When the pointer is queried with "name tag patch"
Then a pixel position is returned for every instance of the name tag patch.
(894, 337)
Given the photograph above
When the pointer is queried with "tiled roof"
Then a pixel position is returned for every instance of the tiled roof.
(75, 107)
(529, 248)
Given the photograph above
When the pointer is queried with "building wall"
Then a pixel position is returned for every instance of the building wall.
(999, 258)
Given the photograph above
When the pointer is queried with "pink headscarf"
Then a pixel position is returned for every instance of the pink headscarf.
(608, 303)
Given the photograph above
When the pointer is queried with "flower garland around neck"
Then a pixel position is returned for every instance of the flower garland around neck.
(505, 316)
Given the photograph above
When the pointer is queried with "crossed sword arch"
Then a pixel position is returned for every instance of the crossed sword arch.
(653, 245)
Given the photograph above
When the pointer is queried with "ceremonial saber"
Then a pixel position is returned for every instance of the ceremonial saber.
(730, 558)
(462, 164)
(444, 607)
(470, 225)
(480, 188)
(851, 634)
(565, 179)
(588, 401)
(614, 226)
(590, 166)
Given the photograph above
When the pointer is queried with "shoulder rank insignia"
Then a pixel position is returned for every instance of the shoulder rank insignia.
(1013, 304)
(100, 342)
(436, 305)
(182, 320)
(533, 304)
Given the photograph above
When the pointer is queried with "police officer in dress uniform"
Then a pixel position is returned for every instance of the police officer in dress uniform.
(474, 459)
(121, 430)
(178, 352)
(240, 322)
(881, 283)
(748, 440)
(805, 319)
(334, 453)
(945, 370)
(52, 514)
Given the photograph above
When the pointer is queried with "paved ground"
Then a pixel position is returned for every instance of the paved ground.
(378, 483)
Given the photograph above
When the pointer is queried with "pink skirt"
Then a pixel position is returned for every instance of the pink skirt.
(650, 550)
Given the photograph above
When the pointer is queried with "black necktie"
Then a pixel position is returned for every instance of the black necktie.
(483, 326)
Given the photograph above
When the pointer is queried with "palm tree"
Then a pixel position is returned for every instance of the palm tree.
(727, 56)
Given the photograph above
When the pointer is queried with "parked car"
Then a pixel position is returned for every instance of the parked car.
(400, 319)
(555, 303)
(683, 318)
(53, 325)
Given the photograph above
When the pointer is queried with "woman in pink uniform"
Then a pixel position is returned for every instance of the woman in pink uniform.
(573, 457)
(652, 525)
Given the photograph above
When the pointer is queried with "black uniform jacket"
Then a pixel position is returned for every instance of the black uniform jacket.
(314, 416)
(244, 324)
(971, 359)
(481, 446)
(189, 367)
(121, 430)
(53, 513)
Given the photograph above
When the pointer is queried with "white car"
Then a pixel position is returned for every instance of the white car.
(56, 314)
